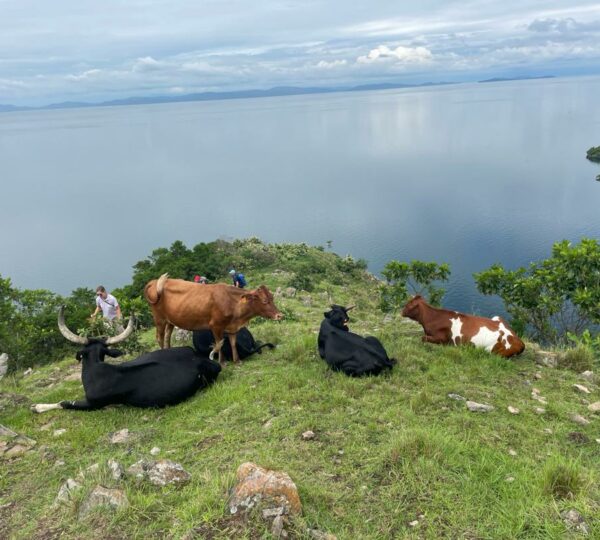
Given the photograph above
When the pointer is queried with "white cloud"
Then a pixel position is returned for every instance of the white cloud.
(147, 63)
(324, 64)
(90, 73)
(405, 55)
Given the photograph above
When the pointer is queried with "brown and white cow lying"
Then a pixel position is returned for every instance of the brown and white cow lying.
(451, 327)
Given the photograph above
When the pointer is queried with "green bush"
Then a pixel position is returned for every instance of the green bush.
(593, 154)
(554, 297)
(578, 359)
(408, 279)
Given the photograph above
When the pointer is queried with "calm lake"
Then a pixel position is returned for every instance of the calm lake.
(468, 174)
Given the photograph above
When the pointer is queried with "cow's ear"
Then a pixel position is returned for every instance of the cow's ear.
(327, 314)
(114, 353)
(248, 297)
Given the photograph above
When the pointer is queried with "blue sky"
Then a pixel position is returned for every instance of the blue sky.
(86, 50)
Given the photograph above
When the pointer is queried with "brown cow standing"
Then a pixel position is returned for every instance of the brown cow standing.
(451, 327)
(219, 307)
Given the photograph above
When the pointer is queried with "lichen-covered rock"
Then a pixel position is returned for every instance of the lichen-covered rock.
(112, 499)
(473, 406)
(121, 437)
(66, 491)
(546, 358)
(3, 364)
(165, 472)
(574, 520)
(13, 444)
(116, 469)
(139, 469)
(269, 488)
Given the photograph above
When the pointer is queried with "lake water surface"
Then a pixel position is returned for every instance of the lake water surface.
(468, 174)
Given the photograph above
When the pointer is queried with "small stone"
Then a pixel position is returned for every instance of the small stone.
(457, 397)
(273, 512)
(548, 431)
(581, 388)
(59, 463)
(66, 491)
(138, 470)
(598, 441)
(165, 472)
(277, 526)
(268, 423)
(594, 407)
(116, 469)
(537, 375)
(308, 435)
(510, 479)
(414, 523)
(479, 407)
(513, 410)
(574, 520)
(27, 372)
(512, 452)
(59, 432)
(578, 419)
(540, 410)
(587, 375)
(120, 437)
(114, 499)
(546, 358)
(155, 451)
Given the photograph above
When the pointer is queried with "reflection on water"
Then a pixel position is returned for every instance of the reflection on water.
(465, 174)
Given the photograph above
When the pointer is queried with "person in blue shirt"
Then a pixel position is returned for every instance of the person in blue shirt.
(238, 279)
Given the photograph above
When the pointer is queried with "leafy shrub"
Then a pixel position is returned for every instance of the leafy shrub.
(554, 297)
(407, 279)
(593, 154)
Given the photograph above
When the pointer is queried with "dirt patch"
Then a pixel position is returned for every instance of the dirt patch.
(208, 441)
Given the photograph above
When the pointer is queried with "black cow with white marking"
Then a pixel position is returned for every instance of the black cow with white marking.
(246, 345)
(344, 351)
(155, 379)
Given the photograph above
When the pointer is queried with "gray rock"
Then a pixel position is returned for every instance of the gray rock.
(594, 407)
(3, 364)
(479, 407)
(457, 397)
(66, 492)
(13, 444)
(155, 451)
(290, 292)
(574, 520)
(121, 437)
(581, 388)
(546, 358)
(277, 526)
(116, 469)
(273, 512)
(306, 300)
(308, 435)
(164, 472)
(138, 470)
(578, 419)
(513, 410)
(27, 372)
(113, 499)
(587, 375)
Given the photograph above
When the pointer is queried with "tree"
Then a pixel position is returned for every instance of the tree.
(553, 297)
(408, 279)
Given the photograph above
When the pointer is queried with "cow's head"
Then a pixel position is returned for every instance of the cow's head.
(338, 316)
(261, 301)
(94, 348)
(411, 309)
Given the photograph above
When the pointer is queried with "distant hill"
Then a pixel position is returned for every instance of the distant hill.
(504, 79)
(214, 96)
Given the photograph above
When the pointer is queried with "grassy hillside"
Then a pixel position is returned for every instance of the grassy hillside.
(388, 451)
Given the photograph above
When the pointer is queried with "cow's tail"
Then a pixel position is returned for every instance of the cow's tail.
(160, 285)
(260, 345)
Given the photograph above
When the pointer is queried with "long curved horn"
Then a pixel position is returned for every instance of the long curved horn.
(124, 334)
(74, 338)
(350, 307)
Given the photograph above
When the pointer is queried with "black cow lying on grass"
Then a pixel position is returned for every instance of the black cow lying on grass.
(245, 344)
(156, 379)
(344, 351)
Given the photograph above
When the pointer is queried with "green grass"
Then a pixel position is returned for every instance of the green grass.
(387, 449)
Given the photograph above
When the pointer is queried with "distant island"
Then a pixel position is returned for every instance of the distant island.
(505, 79)
(213, 96)
(593, 154)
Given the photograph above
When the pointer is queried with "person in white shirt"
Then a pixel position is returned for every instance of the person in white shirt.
(106, 303)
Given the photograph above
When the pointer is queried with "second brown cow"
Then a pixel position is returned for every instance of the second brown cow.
(219, 307)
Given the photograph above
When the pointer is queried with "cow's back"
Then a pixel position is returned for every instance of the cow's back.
(192, 306)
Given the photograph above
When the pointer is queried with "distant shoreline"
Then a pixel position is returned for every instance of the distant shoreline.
(244, 94)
